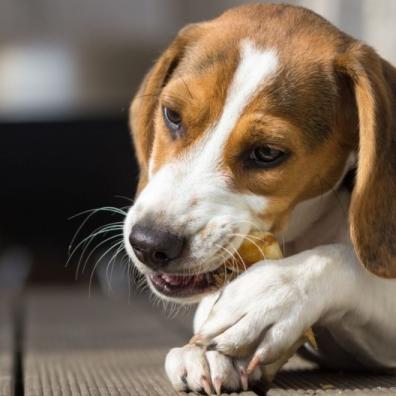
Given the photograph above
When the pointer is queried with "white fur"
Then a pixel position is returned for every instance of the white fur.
(324, 285)
(197, 177)
(282, 299)
(186, 366)
(306, 213)
(298, 292)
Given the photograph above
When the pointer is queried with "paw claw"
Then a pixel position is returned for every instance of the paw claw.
(217, 385)
(206, 386)
(310, 337)
(254, 363)
(244, 379)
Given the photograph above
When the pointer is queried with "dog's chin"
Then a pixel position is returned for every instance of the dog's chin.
(182, 289)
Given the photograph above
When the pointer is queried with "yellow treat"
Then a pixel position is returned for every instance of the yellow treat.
(259, 246)
(256, 246)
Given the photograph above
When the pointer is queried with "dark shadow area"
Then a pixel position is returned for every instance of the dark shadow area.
(52, 171)
(18, 328)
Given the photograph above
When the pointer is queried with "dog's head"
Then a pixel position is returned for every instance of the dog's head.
(242, 119)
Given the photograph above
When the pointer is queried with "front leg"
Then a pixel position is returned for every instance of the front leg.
(267, 309)
(192, 368)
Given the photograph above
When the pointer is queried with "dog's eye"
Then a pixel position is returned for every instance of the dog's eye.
(265, 157)
(173, 121)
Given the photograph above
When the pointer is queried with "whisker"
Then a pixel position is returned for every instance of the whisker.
(97, 263)
(185, 84)
(98, 231)
(240, 221)
(230, 254)
(86, 243)
(336, 194)
(250, 239)
(92, 212)
(94, 250)
(148, 95)
(126, 198)
(240, 257)
(234, 267)
(111, 264)
(110, 209)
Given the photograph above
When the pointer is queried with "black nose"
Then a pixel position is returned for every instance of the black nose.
(154, 247)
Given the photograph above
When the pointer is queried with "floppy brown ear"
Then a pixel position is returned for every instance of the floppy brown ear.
(373, 207)
(145, 102)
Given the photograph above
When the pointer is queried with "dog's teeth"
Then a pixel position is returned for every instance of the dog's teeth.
(172, 279)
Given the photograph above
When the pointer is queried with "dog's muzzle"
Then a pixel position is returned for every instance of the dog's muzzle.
(154, 247)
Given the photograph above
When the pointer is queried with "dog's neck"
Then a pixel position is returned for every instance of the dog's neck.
(324, 219)
(318, 221)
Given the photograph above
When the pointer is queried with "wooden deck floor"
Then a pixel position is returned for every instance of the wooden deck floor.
(75, 345)
(6, 346)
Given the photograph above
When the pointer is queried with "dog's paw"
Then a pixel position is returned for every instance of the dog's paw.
(266, 311)
(192, 368)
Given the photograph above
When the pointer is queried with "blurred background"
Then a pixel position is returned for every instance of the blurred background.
(68, 70)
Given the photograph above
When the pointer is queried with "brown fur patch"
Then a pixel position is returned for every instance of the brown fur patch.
(373, 206)
(330, 94)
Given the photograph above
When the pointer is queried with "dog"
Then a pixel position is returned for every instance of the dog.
(269, 118)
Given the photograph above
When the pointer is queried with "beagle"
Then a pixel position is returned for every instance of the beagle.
(269, 118)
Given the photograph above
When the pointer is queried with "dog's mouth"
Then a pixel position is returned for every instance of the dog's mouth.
(182, 286)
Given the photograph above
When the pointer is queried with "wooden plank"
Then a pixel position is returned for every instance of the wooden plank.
(300, 377)
(76, 345)
(80, 345)
(92, 346)
(6, 346)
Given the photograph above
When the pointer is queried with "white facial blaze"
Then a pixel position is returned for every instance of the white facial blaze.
(255, 67)
(197, 177)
